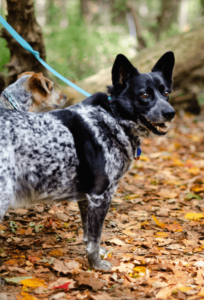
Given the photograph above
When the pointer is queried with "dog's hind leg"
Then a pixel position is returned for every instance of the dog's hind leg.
(97, 209)
(5, 196)
(83, 206)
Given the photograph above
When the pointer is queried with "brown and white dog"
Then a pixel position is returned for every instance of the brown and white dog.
(34, 93)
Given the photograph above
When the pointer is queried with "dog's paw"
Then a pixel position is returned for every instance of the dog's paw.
(103, 265)
(102, 251)
(2, 282)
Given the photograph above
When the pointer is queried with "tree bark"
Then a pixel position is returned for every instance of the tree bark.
(188, 72)
(141, 40)
(169, 14)
(21, 17)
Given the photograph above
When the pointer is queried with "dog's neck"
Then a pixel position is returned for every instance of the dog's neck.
(19, 92)
(130, 127)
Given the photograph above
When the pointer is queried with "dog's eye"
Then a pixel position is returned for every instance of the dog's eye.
(166, 94)
(145, 95)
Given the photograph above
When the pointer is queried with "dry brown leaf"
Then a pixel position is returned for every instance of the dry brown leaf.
(89, 281)
(104, 296)
(66, 267)
(116, 242)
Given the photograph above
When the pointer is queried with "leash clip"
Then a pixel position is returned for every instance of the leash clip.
(138, 152)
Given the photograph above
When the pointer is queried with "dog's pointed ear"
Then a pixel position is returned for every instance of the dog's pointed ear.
(25, 73)
(37, 80)
(165, 65)
(122, 70)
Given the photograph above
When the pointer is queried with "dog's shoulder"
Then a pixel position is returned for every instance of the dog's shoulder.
(99, 140)
(91, 170)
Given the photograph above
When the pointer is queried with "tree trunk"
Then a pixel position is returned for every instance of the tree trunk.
(202, 4)
(21, 17)
(188, 73)
(141, 41)
(169, 14)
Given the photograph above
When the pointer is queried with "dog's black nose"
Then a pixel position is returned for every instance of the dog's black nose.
(169, 114)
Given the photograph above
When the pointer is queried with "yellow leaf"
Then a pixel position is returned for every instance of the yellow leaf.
(11, 262)
(184, 288)
(144, 223)
(144, 158)
(141, 270)
(177, 162)
(160, 224)
(161, 234)
(33, 282)
(56, 253)
(26, 296)
(194, 216)
(201, 292)
(197, 189)
(133, 196)
(195, 138)
(109, 255)
(174, 182)
(194, 171)
(2, 227)
(174, 227)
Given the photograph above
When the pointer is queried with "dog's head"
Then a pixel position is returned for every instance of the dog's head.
(143, 97)
(41, 89)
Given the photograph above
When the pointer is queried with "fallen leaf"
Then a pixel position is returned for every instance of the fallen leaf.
(66, 267)
(194, 216)
(56, 253)
(89, 281)
(26, 296)
(160, 224)
(124, 267)
(117, 242)
(17, 279)
(62, 281)
(194, 171)
(164, 293)
(201, 293)
(33, 282)
(103, 296)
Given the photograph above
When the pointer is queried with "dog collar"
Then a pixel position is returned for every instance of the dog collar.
(138, 150)
(9, 101)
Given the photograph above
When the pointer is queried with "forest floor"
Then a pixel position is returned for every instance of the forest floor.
(154, 232)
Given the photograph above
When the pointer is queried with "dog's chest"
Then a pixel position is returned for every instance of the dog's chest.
(116, 145)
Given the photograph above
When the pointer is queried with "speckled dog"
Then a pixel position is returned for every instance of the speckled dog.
(34, 93)
(80, 153)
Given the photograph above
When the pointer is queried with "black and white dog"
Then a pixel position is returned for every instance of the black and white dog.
(80, 153)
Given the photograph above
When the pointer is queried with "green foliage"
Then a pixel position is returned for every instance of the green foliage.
(5, 55)
(79, 51)
(82, 49)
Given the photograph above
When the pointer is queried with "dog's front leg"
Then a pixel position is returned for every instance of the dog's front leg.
(83, 206)
(97, 209)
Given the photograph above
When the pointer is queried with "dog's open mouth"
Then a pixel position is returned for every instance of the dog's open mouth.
(156, 128)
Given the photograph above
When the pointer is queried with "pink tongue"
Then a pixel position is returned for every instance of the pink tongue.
(163, 129)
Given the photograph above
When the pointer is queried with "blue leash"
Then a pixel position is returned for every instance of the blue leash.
(26, 46)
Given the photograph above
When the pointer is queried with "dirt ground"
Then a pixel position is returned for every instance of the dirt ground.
(154, 232)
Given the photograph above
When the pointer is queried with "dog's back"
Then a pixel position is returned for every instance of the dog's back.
(37, 156)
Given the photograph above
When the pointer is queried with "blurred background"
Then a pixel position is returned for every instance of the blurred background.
(80, 38)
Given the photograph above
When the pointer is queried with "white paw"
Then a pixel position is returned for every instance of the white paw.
(103, 265)
(102, 251)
